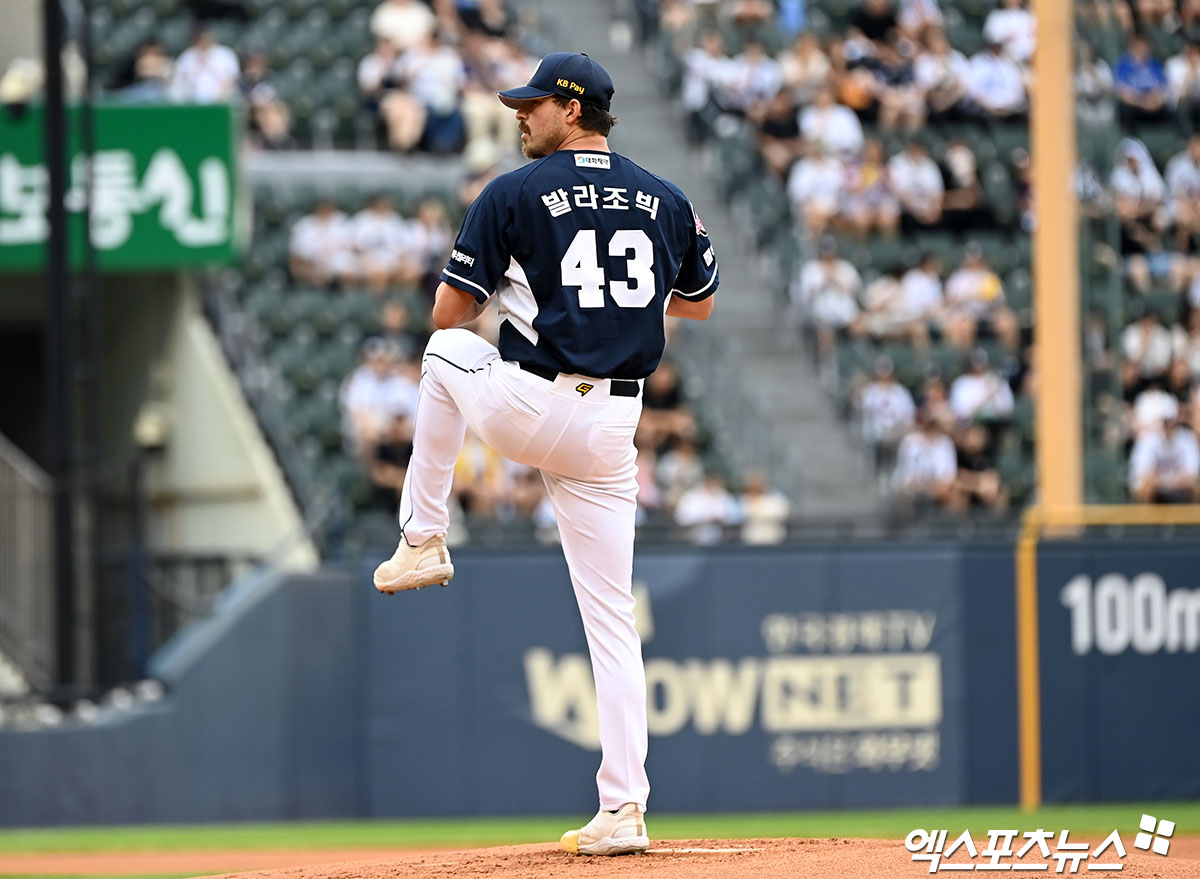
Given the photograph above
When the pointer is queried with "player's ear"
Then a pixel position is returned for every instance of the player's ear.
(574, 110)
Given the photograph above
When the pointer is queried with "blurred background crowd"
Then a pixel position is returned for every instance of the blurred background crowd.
(879, 149)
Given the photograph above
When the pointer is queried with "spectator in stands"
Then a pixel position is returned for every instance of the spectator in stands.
(480, 160)
(997, 84)
(666, 418)
(805, 67)
(1183, 86)
(389, 462)
(977, 481)
(1151, 407)
(147, 76)
(493, 64)
(762, 511)
(975, 300)
(926, 467)
(901, 102)
(1183, 192)
(779, 139)
(431, 239)
(1139, 195)
(269, 118)
(395, 332)
(815, 187)
(1141, 84)
(382, 245)
(491, 18)
(321, 249)
(1164, 466)
(868, 204)
(896, 308)
(206, 72)
(481, 478)
(399, 113)
(964, 206)
(403, 23)
(372, 397)
(917, 183)
(706, 69)
(434, 74)
(875, 20)
(830, 127)
(1185, 340)
(917, 17)
(943, 74)
(678, 470)
(826, 294)
(1011, 25)
(981, 395)
(1147, 350)
(751, 79)
(886, 411)
(934, 399)
(706, 510)
(1093, 88)
(922, 295)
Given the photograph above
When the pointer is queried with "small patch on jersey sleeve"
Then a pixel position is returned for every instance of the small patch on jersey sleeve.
(462, 255)
(592, 160)
(708, 257)
(700, 230)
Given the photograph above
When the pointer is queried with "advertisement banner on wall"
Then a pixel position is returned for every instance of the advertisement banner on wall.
(163, 187)
(1120, 650)
(776, 680)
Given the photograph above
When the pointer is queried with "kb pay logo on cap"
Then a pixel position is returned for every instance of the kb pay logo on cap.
(586, 160)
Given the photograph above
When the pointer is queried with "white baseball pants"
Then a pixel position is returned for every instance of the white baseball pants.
(583, 444)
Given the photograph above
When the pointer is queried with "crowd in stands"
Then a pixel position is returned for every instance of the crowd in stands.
(676, 488)
(880, 129)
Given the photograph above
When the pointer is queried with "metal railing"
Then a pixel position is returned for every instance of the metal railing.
(26, 566)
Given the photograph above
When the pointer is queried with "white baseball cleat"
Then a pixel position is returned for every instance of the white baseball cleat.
(412, 567)
(622, 832)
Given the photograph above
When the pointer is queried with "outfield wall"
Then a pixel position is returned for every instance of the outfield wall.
(862, 676)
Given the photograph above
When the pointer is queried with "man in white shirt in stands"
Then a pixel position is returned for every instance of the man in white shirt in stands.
(980, 395)
(405, 22)
(887, 410)
(1011, 25)
(917, 183)
(373, 396)
(321, 249)
(830, 126)
(382, 245)
(1164, 466)
(206, 72)
(1183, 84)
(926, 466)
(1183, 192)
(997, 84)
(815, 186)
(826, 293)
(752, 78)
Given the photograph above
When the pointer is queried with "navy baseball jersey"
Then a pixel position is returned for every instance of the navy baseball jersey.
(583, 248)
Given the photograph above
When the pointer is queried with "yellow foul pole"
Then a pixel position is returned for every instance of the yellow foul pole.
(1058, 398)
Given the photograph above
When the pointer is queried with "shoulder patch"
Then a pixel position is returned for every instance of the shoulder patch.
(700, 230)
(592, 160)
(462, 255)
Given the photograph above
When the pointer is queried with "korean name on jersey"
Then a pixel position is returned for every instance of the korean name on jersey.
(583, 249)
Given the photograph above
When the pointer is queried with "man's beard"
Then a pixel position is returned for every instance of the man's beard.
(541, 148)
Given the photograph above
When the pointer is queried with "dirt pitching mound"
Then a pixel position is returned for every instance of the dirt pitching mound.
(707, 858)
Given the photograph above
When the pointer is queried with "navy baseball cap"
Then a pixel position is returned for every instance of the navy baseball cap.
(570, 74)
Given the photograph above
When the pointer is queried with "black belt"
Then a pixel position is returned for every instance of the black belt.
(617, 387)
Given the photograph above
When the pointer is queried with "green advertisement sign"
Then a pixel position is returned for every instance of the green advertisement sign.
(164, 188)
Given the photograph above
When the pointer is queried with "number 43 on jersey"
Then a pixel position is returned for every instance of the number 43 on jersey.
(581, 268)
